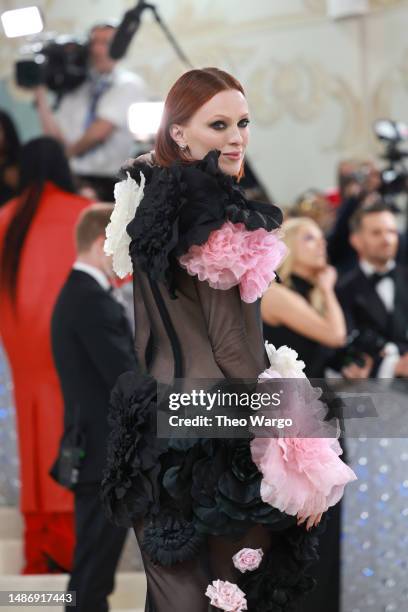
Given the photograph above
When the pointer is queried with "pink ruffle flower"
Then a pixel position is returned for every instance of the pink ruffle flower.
(302, 474)
(247, 559)
(226, 596)
(233, 256)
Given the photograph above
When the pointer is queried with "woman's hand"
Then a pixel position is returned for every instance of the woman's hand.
(326, 279)
(312, 521)
(355, 371)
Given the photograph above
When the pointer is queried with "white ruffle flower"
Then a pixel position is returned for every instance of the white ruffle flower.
(284, 360)
(128, 195)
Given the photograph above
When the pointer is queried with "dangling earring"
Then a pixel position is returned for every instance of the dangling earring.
(183, 147)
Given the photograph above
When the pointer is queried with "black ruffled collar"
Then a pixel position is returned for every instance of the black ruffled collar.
(181, 206)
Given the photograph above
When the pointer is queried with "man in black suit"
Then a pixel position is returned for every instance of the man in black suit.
(358, 186)
(92, 345)
(374, 295)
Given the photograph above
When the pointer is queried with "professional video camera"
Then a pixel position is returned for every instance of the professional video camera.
(59, 62)
(395, 175)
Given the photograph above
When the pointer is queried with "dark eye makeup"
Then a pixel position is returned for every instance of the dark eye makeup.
(221, 125)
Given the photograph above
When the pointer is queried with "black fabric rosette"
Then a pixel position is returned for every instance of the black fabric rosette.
(185, 492)
(181, 206)
(154, 229)
(217, 486)
(130, 486)
(222, 486)
(170, 538)
(214, 198)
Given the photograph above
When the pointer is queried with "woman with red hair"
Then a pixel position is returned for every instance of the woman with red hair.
(202, 256)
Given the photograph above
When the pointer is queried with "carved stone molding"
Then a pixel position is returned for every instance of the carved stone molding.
(302, 90)
(394, 80)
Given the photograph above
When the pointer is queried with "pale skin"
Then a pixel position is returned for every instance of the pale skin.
(100, 129)
(282, 306)
(222, 123)
(95, 256)
(376, 241)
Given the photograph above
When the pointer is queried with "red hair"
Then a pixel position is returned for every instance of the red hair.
(193, 89)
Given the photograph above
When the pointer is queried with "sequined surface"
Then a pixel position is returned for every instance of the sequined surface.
(375, 527)
(9, 479)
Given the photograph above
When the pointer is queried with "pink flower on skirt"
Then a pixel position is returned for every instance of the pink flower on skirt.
(226, 596)
(248, 559)
(233, 256)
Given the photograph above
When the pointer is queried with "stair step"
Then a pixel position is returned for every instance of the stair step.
(11, 556)
(11, 523)
(130, 589)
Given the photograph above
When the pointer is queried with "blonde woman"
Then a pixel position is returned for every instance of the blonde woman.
(302, 311)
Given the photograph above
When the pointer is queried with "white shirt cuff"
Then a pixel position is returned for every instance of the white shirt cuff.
(391, 358)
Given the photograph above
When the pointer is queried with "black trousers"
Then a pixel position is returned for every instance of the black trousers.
(98, 548)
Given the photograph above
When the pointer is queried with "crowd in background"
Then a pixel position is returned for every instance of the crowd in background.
(342, 298)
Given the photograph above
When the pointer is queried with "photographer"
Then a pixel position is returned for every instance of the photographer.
(91, 120)
(374, 296)
(358, 184)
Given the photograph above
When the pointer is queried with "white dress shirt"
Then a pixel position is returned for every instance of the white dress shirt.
(97, 274)
(385, 289)
(105, 159)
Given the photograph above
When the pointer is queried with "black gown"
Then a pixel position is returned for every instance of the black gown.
(326, 595)
(195, 503)
(311, 352)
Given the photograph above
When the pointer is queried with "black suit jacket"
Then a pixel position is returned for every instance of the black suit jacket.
(341, 253)
(364, 309)
(92, 345)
